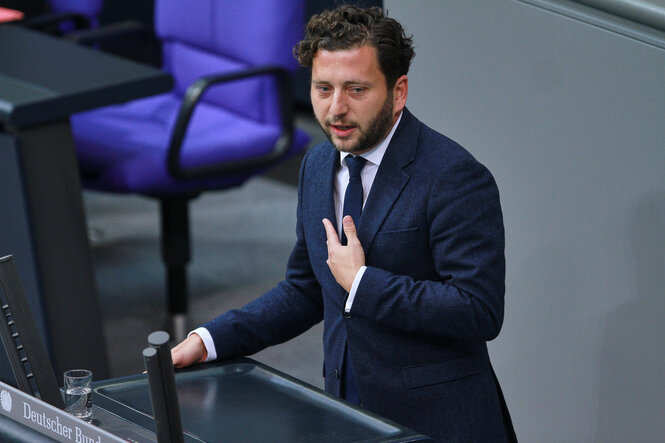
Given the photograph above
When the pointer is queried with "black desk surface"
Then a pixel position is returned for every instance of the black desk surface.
(243, 401)
(44, 78)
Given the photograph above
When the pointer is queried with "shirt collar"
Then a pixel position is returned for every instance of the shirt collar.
(376, 154)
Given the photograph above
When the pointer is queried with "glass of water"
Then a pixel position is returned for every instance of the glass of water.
(78, 393)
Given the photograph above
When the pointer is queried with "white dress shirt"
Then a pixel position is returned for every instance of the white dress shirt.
(367, 176)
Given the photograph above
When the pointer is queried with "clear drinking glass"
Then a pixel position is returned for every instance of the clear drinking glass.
(78, 393)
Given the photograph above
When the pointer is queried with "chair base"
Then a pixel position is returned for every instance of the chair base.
(179, 327)
(176, 255)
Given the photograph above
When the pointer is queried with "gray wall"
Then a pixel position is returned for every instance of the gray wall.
(570, 118)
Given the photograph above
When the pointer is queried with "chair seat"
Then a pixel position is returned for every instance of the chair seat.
(124, 148)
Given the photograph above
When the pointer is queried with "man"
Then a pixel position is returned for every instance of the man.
(409, 291)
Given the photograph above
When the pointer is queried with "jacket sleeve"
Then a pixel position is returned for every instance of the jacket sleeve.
(464, 297)
(287, 310)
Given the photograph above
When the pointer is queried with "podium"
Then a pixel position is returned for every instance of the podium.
(43, 80)
(237, 401)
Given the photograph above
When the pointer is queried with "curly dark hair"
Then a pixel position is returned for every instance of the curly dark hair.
(349, 26)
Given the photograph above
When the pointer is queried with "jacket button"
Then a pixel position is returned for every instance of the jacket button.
(336, 373)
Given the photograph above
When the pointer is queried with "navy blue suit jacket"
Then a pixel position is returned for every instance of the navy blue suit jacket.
(431, 297)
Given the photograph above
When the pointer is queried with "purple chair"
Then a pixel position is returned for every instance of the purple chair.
(228, 118)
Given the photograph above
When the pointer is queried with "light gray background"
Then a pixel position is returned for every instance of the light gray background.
(570, 118)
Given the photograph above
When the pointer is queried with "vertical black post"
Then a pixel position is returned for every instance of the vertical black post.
(163, 394)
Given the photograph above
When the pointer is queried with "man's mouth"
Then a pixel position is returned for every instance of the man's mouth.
(342, 130)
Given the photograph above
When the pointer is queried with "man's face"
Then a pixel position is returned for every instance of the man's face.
(350, 99)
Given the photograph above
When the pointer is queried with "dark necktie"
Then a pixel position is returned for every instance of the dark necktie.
(353, 198)
(353, 206)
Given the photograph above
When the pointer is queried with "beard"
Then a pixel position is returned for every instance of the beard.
(376, 130)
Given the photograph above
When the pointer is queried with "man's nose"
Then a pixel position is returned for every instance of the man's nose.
(338, 107)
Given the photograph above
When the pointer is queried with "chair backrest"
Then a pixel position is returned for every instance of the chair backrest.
(20, 337)
(205, 37)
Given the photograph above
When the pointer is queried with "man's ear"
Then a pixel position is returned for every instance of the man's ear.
(400, 92)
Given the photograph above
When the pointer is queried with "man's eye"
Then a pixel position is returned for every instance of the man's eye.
(357, 90)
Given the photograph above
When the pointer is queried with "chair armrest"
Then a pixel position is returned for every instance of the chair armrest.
(193, 95)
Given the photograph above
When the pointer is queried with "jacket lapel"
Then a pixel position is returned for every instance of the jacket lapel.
(323, 185)
(390, 179)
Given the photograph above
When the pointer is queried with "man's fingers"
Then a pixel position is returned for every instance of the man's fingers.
(331, 235)
(188, 352)
(349, 229)
(179, 356)
(176, 356)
